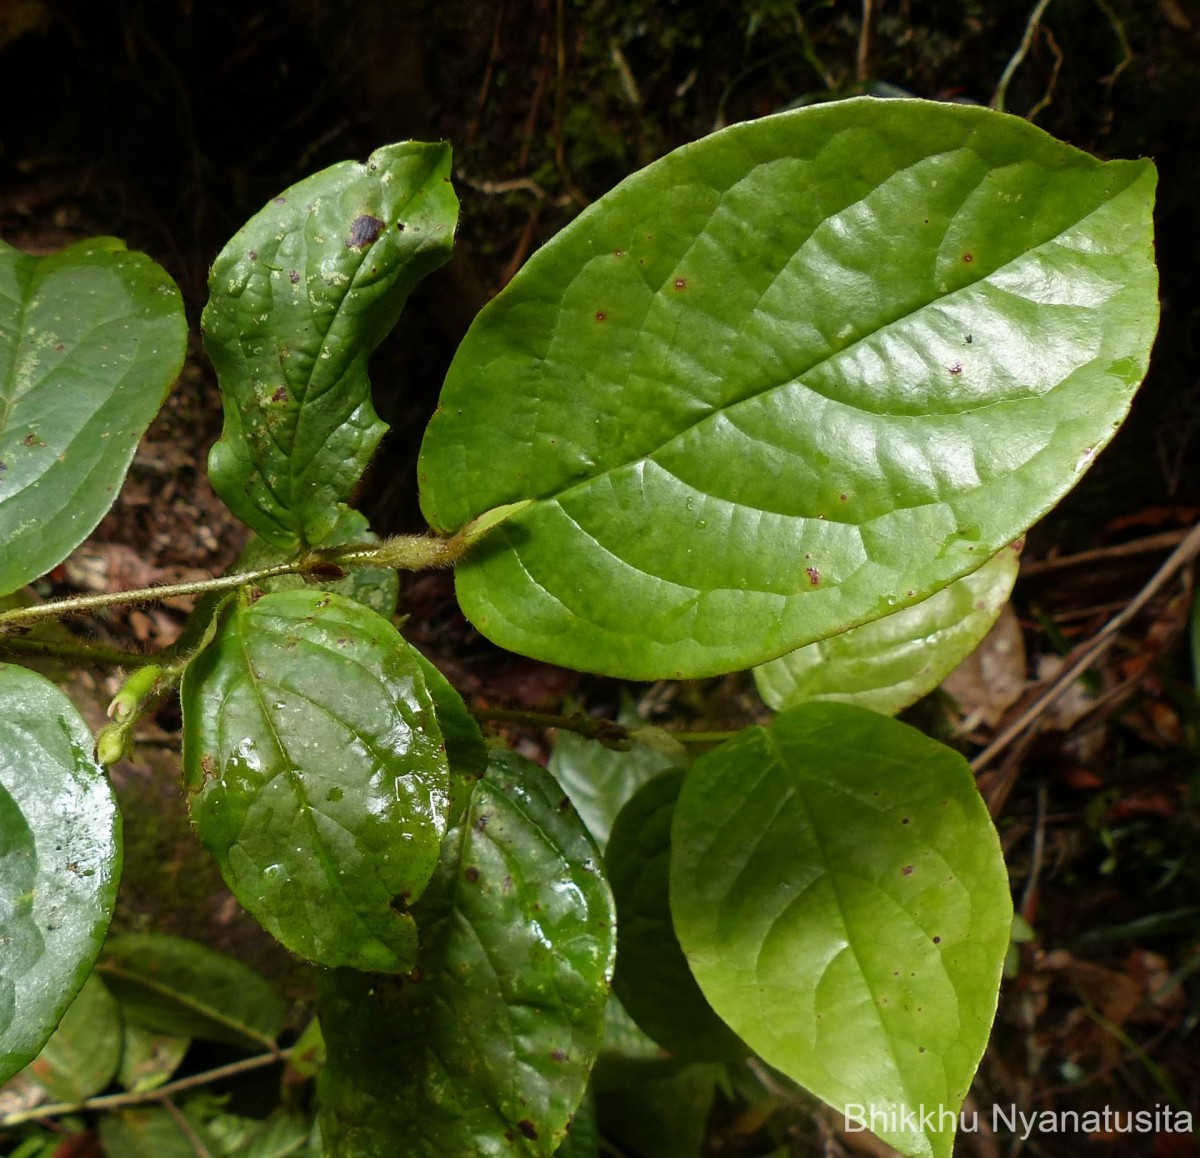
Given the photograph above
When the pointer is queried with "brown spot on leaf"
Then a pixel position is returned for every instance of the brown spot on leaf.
(254, 255)
(527, 1128)
(471, 874)
(29, 440)
(328, 571)
(937, 940)
(294, 277)
(280, 394)
(956, 368)
(558, 1055)
(968, 257)
(681, 283)
(208, 764)
(814, 576)
(601, 316)
(907, 870)
(364, 231)
(279, 200)
(904, 820)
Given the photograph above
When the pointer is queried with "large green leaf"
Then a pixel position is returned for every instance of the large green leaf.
(299, 298)
(175, 986)
(487, 1049)
(83, 1053)
(91, 339)
(60, 860)
(318, 774)
(892, 662)
(790, 378)
(653, 980)
(840, 893)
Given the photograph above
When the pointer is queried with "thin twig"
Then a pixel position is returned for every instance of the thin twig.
(1048, 95)
(1143, 546)
(1083, 656)
(862, 67)
(141, 1097)
(185, 1128)
(81, 652)
(1039, 847)
(1031, 27)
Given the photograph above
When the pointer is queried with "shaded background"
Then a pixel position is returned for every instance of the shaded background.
(169, 122)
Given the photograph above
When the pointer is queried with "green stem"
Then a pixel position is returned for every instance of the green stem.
(82, 652)
(141, 1097)
(74, 605)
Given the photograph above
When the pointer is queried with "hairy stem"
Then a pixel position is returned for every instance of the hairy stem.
(77, 604)
(82, 651)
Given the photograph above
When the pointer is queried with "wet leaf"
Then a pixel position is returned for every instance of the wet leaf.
(300, 297)
(319, 777)
(789, 378)
(840, 893)
(60, 860)
(891, 663)
(91, 339)
(487, 1048)
(175, 986)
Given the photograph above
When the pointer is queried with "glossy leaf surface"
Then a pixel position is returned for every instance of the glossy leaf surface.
(466, 749)
(840, 893)
(891, 663)
(789, 378)
(60, 860)
(374, 588)
(176, 986)
(299, 298)
(653, 980)
(487, 1049)
(91, 339)
(318, 774)
(83, 1053)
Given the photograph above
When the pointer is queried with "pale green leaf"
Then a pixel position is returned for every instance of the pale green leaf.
(319, 776)
(840, 893)
(486, 1049)
(891, 663)
(91, 339)
(60, 860)
(299, 299)
(83, 1053)
(148, 1059)
(789, 378)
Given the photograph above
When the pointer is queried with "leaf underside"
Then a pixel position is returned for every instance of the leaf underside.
(486, 1050)
(788, 379)
(892, 662)
(840, 894)
(60, 860)
(91, 339)
(319, 776)
(298, 300)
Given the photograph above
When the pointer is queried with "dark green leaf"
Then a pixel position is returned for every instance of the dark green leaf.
(91, 339)
(465, 746)
(60, 860)
(83, 1053)
(319, 778)
(789, 378)
(374, 588)
(150, 1132)
(891, 663)
(299, 299)
(171, 985)
(487, 1049)
(583, 1138)
(840, 893)
(656, 1109)
(600, 780)
(653, 980)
